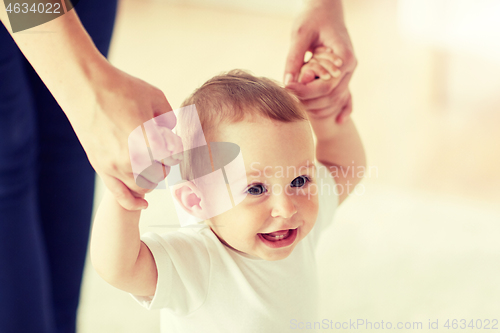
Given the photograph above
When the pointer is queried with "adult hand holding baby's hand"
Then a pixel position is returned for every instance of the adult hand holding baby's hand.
(319, 79)
(322, 24)
(119, 105)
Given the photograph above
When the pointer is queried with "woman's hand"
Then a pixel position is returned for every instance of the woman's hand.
(120, 104)
(322, 71)
(322, 24)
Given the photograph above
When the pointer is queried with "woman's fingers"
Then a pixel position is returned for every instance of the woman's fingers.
(164, 116)
(153, 175)
(166, 150)
(175, 147)
(123, 194)
(165, 145)
(332, 104)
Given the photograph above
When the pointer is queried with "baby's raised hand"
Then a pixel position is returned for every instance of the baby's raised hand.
(320, 86)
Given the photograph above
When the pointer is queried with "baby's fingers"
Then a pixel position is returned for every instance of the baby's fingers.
(332, 58)
(329, 66)
(311, 71)
(327, 54)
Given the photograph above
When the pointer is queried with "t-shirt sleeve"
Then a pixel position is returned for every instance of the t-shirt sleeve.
(183, 266)
(328, 201)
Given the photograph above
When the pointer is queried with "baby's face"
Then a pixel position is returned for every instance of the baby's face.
(279, 163)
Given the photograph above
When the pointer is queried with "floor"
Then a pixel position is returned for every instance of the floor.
(419, 242)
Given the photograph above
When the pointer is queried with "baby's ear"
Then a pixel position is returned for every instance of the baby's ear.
(189, 198)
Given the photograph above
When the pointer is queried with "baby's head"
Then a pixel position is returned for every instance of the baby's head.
(272, 130)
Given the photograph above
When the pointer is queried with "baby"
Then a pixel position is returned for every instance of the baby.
(251, 268)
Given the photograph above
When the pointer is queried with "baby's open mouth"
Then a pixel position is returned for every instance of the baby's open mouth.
(279, 238)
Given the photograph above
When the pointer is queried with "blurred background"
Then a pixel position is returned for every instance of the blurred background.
(420, 239)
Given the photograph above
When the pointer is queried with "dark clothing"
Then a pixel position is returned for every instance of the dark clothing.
(46, 191)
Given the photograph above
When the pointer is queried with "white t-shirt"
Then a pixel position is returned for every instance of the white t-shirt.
(204, 286)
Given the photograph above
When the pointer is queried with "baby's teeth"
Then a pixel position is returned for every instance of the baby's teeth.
(276, 238)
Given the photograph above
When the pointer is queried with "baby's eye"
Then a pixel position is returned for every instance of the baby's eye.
(256, 189)
(300, 181)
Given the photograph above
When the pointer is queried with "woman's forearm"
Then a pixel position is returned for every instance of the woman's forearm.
(103, 104)
(333, 6)
(65, 58)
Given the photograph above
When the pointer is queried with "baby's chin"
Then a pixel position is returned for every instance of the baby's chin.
(278, 255)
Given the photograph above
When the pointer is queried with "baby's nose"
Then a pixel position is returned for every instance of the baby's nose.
(283, 206)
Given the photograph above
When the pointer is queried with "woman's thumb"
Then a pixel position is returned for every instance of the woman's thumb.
(295, 59)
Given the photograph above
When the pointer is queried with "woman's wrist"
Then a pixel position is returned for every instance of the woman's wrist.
(324, 4)
(325, 128)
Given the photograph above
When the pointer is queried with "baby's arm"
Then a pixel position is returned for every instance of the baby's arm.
(117, 253)
(338, 144)
(339, 148)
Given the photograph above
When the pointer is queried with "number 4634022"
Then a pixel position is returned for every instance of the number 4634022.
(485, 324)
(40, 8)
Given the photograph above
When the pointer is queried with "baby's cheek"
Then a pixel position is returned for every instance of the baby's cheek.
(309, 207)
(242, 223)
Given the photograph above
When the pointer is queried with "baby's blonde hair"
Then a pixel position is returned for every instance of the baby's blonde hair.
(232, 97)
